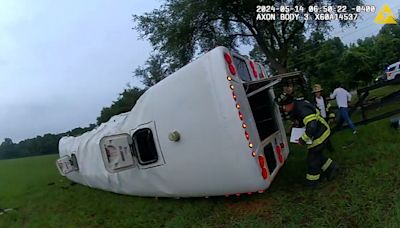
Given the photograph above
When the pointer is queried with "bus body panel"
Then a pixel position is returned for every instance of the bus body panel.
(212, 157)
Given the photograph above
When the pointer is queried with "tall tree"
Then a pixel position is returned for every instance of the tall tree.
(7, 142)
(154, 70)
(7, 148)
(357, 65)
(181, 28)
(124, 103)
(319, 60)
(387, 46)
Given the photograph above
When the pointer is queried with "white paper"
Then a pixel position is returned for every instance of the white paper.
(296, 134)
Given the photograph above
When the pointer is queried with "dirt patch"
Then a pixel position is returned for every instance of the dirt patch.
(258, 206)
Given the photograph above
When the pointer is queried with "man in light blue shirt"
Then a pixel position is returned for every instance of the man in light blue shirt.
(342, 98)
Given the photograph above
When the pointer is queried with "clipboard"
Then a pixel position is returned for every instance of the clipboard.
(296, 134)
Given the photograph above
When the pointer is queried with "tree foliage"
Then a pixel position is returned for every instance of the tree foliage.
(181, 27)
(324, 61)
(40, 145)
(329, 61)
(48, 143)
(124, 103)
(153, 71)
(387, 45)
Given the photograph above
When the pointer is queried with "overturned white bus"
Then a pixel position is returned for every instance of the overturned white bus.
(211, 128)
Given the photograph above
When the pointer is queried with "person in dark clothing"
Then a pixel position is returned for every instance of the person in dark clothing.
(317, 131)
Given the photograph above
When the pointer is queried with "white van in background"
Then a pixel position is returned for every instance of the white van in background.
(393, 71)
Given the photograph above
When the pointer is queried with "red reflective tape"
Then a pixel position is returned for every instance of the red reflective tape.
(279, 152)
(255, 73)
(261, 161)
(264, 173)
(232, 69)
(228, 58)
(278, 149)
(252, 65)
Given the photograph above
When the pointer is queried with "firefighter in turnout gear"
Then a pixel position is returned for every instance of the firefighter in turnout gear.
(317, 131)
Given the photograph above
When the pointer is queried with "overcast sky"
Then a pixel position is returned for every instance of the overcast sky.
(61, 62)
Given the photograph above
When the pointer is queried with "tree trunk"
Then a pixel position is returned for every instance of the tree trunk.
(272, 62)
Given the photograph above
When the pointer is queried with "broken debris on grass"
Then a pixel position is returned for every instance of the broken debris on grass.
(7, 210)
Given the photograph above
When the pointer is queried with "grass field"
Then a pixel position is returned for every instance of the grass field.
(366, 194)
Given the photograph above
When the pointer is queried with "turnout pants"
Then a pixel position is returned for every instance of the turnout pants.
(316, 162)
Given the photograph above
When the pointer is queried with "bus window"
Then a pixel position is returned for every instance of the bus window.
(145, 146)
(116, 152)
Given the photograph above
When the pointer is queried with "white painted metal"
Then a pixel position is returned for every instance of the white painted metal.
(211, 157)
(393, 71)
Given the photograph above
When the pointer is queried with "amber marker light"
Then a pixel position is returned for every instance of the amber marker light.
(240, 116)
(246, 134)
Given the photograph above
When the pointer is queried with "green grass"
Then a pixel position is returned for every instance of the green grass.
(381, 92)
(366, 194)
